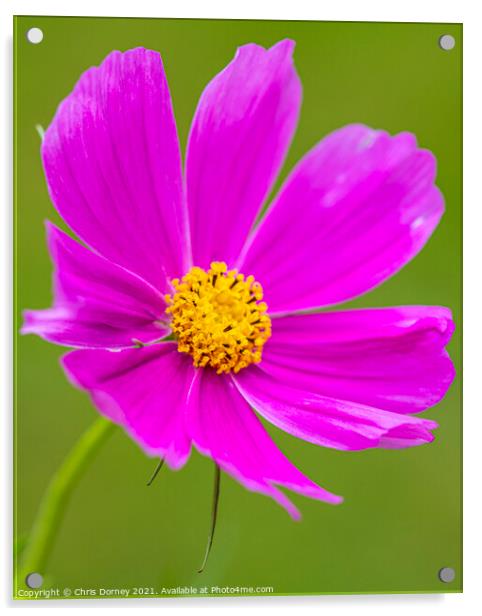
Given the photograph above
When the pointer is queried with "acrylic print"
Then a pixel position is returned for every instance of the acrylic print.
(238, 313)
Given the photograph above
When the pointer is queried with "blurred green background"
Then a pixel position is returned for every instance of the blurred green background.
(401, 520)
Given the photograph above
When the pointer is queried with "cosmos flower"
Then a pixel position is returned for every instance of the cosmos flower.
(212, 316)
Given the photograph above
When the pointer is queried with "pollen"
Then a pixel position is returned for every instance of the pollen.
(219, 318)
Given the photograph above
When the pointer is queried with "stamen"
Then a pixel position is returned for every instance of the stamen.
(211, 314)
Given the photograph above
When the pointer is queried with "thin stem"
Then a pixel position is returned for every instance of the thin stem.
(156, 471)
(55, 499)
(214, 515)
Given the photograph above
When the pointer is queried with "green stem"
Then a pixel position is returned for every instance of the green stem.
(214, 515)
(156, 472)
(56, 498)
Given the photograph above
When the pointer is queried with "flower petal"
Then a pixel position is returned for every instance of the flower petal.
(352, 213)
(144, 390)
(239, 137)
(97, 304)
(223, 427)
(112, 161)
(389, 358)
(326, 421)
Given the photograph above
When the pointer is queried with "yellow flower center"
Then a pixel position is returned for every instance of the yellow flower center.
(218, 317)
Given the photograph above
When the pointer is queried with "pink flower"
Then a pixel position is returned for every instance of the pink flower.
(173, 255)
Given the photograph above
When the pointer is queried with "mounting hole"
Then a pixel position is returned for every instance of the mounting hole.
(446, 42)
(446, 575)
(35, 36)
(34, 580)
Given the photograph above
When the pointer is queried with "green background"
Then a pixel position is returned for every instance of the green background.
(401, 519)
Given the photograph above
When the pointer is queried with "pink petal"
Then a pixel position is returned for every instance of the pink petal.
(112, 161)
(97, 304)
(327, 421)
(352, 213)
(223, 427)
(389, 358)
(239, 137)
(144, 390)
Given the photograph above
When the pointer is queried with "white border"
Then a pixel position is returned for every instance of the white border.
(465, 11)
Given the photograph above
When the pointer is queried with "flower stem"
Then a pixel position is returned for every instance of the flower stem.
(160, 464)
(214, 515)
(55, 500)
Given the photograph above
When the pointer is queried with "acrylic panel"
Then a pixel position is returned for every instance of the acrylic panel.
(238, 253)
